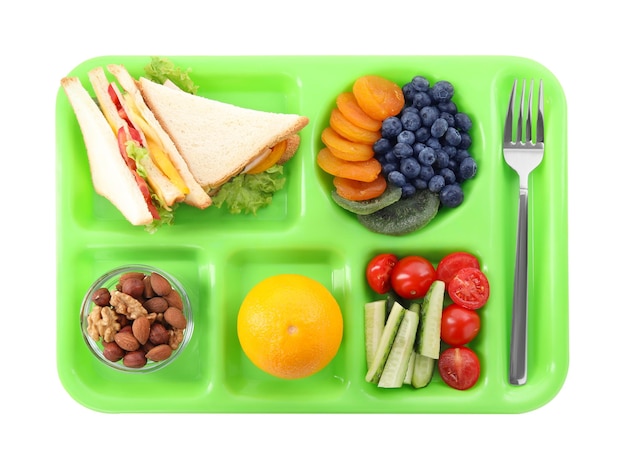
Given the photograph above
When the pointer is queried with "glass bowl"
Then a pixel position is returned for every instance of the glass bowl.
(147, 304)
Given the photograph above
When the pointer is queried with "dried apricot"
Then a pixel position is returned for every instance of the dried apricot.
(353, 133)
(344, 149)
(360, 190)
(366, 170)
(349, 107)
(378, 97)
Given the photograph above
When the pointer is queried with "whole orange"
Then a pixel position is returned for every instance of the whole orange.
(290, 326)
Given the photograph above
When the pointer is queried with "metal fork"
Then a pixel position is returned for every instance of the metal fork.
(523, 155)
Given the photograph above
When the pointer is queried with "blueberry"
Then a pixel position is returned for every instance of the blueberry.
(407, 137)
(389, 167)
(442, 158)
(448, 175)
(410, 109)
(409, 91)
(418, 147)
(436, 183)
(428, 115)
(422, 134)
(397, 178)
(461, 154)
(439, 128)
(447, 116)
(420, 183)
(421, 100)
(466, 141)
(433, 143)
(382, 146)
(442, 91)
(420, 83)
(390, 157)
(402, 150)
(409, 167)
(450, 150)
(391, 127)
(451, 195)
(427, 156)
(452, 136)
(467, 168)
(410, 120)
(408, 190)
(448, 107)
(426, 172)
(463, 121)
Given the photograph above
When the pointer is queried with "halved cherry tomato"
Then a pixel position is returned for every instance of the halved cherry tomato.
(469, 288)
(453, 262)
(412, 276)
(459, 367)
(378, 272)
(459, 325)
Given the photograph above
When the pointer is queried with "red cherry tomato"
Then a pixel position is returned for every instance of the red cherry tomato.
(459, 367)
(453, 262)
(412, 276)
(378, 272)
(459, 325)
(469, 288)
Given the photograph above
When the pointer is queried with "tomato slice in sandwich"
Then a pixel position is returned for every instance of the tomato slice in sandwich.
(122, 138)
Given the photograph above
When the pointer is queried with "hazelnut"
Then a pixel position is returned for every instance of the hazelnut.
(112, 351)
(133, 287)
(135, 359)
(101, 297)
(159, 334)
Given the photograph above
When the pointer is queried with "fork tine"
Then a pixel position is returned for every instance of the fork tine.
(529, 113)
(539, 137)
(520, 118)
(508, 123)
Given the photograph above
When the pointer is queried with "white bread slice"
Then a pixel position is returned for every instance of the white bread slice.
(197, 196)
(160, 183)
(111, 177)
(216, 139)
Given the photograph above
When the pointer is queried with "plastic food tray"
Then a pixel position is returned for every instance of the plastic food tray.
(219, 256)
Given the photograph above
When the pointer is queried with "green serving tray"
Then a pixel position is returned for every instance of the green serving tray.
(219, 256)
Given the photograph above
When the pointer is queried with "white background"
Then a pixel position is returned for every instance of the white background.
(581, 42)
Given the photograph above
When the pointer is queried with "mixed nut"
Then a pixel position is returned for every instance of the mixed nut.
(140, 319)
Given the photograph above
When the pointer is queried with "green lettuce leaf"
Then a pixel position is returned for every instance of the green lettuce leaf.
(161, 69)
(247, 193)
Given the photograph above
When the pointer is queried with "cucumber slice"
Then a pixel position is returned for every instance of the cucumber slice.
(429, 332)
(385, 343)
(405, 216)
(400, 353)
(409, 370)
(422, 370)
(375, 315)
(392, 194)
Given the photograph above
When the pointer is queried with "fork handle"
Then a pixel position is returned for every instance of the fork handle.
(519, 330)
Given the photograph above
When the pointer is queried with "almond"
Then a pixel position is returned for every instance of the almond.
(126, 341)
(141, 329)
(160, 285)
(175, 317)
(156, 304)
(173, 298)
(159, 353)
